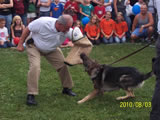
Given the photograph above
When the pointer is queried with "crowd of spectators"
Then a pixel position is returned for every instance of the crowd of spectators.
(109, 21)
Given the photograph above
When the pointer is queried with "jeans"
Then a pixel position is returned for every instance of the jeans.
(107, 41)
(6, 45)
(118, 40)
(42, 14)
(8, 19)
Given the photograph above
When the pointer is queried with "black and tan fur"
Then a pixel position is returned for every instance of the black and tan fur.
(108, 78)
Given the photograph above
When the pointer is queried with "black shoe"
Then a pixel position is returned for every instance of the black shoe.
(31, 100)
(68, 91)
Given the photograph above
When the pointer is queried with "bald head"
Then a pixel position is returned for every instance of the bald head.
(64, 23)
(65, 20)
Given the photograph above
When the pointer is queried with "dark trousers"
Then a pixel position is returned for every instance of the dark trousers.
(95, 42)
(155, 113)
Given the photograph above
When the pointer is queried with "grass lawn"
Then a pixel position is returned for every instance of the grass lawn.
(52, 105)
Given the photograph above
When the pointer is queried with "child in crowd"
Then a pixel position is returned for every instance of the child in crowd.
(86, 9)
(17, 28)
(77, 23)
(107, 26)
(93, 31)
(120, 29)
(68, 42)
(4, 41)
(71, 8)
(31, 14)
(99, 10)
(56, 9)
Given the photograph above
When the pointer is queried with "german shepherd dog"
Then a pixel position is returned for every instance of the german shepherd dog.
(108, 78)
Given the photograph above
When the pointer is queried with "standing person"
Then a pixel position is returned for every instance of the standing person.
(107, 26)
(86, 9)
(142, 25)
(31, 13)
(4, 41)
(47, 35)
(93, 31)
(56, 9)
(71, 7)
(99, 10)
(44, 7)
(6, 12)
(20, 7)
(154, 115)
(120, 29)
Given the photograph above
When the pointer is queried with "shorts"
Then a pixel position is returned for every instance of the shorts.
(31, 15)
(142, 34)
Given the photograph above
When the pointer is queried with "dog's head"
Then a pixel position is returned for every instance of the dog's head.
(89, 64)
(156, 66)
(93, 69)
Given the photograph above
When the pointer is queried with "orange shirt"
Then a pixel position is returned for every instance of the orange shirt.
(121, 27)
(92, 30)
(107, 26)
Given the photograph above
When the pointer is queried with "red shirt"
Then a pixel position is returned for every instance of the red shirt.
(121, 27)
(72, 5)
(92, 30)
(99, 11)
(107, 26)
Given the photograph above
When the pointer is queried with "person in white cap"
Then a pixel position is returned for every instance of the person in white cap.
(47, 35)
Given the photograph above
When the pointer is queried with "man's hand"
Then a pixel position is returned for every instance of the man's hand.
(20, 47)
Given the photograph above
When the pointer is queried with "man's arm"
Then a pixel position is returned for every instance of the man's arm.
(25, 34)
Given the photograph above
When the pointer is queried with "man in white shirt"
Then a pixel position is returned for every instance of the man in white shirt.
(155, 113)
(47, 35)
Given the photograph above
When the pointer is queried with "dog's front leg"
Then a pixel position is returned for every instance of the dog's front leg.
(89, 96)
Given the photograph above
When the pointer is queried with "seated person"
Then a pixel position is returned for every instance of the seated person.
(107, 26)
(4, 41)
(142, 24)
(92, 30)
(17, 28)
(120, 29)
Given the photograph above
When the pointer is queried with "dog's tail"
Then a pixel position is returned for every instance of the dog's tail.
(148, 75)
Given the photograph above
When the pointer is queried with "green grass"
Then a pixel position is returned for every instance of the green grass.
(52, 105)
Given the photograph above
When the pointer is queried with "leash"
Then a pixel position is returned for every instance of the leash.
(131, 54)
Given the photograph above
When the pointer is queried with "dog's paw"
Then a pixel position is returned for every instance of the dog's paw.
(80, 102)
(124, 97)
(119, 98)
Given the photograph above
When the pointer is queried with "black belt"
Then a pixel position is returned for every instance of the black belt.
(30, 41)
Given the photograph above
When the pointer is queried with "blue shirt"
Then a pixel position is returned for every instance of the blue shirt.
(56, 10)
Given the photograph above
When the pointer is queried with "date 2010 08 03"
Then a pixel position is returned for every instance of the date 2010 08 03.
(135, 104)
